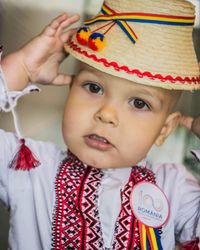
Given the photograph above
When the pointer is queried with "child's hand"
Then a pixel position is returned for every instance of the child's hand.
(193, 124)
(42, 56)
(39, 60)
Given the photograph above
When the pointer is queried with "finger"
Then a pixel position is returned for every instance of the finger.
(69, 21)
(51, 29)
(65, 36)
(62, 79)
(58, 20)
(186, 121)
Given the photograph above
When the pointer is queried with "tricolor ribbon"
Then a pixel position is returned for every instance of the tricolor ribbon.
(121, 19)
(149, 238)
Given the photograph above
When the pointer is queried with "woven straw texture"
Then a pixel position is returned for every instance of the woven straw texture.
(163, 55)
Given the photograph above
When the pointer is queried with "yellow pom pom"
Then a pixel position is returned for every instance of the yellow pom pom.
(83, 35)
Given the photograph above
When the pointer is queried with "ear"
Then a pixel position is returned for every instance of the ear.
(171, 123)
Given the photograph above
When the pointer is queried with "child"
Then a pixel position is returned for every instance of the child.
(102, 193)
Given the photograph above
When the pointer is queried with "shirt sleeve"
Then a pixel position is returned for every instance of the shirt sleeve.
(8, 141)
(183, 193)
(8, 147)
(15, 183)
(188, 215)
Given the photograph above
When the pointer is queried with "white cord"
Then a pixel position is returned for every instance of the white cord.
(15, 120)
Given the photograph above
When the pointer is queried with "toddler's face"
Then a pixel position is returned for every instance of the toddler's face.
(112, 122)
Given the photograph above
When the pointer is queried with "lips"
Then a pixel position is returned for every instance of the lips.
(97, 142)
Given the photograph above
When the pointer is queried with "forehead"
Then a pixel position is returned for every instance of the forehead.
(88, 71)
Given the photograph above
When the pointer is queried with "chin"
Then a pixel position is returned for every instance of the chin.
(92, 159)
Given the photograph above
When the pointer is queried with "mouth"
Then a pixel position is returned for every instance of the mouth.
(98, 142)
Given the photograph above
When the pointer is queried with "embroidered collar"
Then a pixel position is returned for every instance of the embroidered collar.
(76, 222)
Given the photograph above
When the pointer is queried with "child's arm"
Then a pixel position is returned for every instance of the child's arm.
(39, 60)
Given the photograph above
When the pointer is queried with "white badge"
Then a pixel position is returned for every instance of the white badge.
(149, 204)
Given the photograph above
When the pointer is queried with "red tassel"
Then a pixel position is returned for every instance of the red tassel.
(190, 245)
(24, 159)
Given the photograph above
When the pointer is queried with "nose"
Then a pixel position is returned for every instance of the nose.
(107, 115)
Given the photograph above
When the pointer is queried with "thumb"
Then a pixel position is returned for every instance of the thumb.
(186, 121)
(193, 124)
(62, 79)
(196, 126)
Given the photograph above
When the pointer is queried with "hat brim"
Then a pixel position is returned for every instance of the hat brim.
(132, 74)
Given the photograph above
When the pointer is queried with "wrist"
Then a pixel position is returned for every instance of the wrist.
(14, 71)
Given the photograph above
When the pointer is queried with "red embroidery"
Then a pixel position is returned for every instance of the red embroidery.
(178, 79)
(190, 245)
(76, 222)
(127, 229)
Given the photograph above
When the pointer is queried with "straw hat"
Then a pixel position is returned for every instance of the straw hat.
(147, 42)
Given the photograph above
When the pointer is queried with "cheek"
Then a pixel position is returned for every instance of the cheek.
(139, 136)
(75, 118)
(69, 120)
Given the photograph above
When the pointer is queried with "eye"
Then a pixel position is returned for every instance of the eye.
(139, 104)
(93, 88)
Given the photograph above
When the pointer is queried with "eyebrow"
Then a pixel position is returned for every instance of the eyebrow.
(138, 90)
(144, 92)
(154, 96)
(88, 70)
(89, 75)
